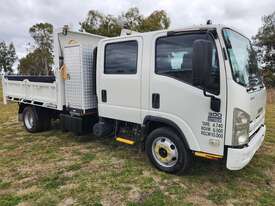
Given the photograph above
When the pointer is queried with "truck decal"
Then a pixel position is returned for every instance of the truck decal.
(213, 126)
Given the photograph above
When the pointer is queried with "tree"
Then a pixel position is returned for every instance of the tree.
(98, 23)
(109, 25)
(132, 19)
(31, 64)
(265, 41)
(42, 35)
(40, 60)
(7, 57)
(269, 78)
(156, 21)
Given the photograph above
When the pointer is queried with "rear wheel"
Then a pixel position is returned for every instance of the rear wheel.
(167, 151)
(36, 120)
(30, 120)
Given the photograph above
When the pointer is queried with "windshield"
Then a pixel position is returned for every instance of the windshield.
(242, 58)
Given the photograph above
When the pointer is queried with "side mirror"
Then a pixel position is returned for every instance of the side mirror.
(202, 62)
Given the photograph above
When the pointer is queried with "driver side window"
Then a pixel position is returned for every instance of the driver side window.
(174, 57)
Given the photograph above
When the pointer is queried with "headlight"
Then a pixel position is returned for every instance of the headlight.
(240, 127)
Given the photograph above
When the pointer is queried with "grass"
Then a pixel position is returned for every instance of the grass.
(9, 200)
(55, 168)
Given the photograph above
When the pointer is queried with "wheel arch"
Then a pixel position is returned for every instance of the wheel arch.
(21, 108)
(152, 122)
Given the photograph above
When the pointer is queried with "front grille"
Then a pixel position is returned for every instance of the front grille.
(257, 130)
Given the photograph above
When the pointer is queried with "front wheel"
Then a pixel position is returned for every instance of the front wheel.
(167, 151)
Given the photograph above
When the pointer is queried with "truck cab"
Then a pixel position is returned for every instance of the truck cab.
(193, 91)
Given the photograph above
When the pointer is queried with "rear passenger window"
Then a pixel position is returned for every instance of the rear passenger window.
(174, 57)
(121, 58)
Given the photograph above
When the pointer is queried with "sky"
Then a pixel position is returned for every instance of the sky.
(17, 16)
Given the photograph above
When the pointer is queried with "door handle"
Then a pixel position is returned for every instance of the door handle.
(103, 95)
(155, 101)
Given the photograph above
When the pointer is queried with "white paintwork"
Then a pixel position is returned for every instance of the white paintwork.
(191, 107)
(123, 91)
(238, 97)
(239, 158)
(32, 91)
(183, 104)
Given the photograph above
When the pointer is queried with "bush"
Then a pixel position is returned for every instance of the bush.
(269, 78)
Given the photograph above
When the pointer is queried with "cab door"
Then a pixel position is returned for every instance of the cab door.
(119, 79)
(175, 97)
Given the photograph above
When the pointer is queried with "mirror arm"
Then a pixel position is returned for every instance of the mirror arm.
(205, 94)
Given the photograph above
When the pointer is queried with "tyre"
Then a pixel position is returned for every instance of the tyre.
(167, 151)
(46, 119)
(31, 120)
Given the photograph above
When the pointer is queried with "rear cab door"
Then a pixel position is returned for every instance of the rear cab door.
(119, 78)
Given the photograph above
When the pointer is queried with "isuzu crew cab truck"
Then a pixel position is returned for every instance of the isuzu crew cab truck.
(179, 93)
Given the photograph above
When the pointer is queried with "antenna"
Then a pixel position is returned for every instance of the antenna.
(65, 30)
(209, 22)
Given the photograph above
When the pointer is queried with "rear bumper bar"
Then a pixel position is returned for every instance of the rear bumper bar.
(239, 158)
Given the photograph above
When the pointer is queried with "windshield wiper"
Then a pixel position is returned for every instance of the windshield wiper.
(251, 89)
(253, 83)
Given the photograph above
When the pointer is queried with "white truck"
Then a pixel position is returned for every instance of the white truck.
(179, 93)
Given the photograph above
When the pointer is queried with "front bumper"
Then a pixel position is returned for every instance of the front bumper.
(239, 158)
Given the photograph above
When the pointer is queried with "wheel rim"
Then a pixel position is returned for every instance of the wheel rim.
(29, 119)
(165, 152)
